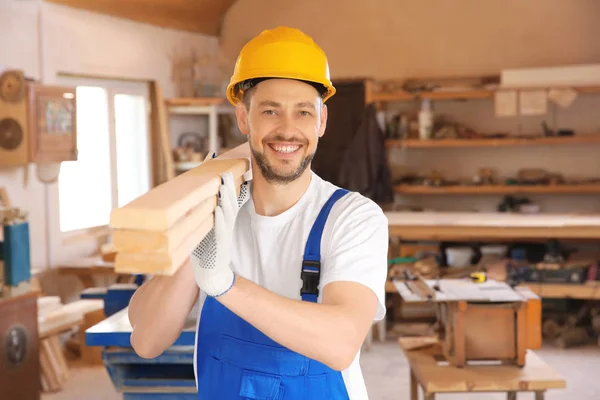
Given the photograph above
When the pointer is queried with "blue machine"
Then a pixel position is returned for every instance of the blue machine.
(116, 297)
(168, 376)
(14, 252)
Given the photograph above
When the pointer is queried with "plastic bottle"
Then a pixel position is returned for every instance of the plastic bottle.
(425, 120)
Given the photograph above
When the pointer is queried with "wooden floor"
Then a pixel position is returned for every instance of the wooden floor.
(386, 374)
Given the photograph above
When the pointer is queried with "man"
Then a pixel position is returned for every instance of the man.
(292, 276)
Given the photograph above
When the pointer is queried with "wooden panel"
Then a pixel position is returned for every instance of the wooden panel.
(188, 15)
(158, 262)
(497, 189)
(483, 225)
(493, 142)
(162, 206)
(155, 233)
(533, 317)
(480, 321)
(536, 375)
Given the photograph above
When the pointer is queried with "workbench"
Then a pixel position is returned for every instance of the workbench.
(497, 226)
(435, 376)
(168, 376)
(478, 226)
(85, 268)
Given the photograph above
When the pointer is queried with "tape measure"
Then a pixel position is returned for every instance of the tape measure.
(478, 277)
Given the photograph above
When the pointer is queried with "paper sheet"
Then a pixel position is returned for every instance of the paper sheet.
(505, 102)
(533, 102)
(563, 97)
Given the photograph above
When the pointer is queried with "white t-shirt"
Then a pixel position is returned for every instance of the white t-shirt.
(354, 247)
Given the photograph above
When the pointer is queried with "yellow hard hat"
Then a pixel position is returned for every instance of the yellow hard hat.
(281, 52)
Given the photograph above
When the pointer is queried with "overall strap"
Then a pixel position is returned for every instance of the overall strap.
(311, 264)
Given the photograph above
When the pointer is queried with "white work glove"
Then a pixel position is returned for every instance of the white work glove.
(211, 259)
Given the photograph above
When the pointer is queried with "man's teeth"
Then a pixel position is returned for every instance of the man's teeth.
(285, 149)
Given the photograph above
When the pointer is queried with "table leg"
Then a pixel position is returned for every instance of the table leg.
(539, 395)
(429, 396)
(511, 396)
(414, 386)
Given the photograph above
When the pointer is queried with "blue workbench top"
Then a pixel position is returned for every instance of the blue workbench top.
(116, 330)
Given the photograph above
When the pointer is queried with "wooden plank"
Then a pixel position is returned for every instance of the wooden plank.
(159, 262)
(457, 95)
(133, 241)
(494, 142)
(588, 291)
(478, 226)
(536, 375)
(162, 206)
(194, 101)
(163, 163)
(533, 317)
(498, 189)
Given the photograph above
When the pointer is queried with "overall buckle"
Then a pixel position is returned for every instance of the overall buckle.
(311, 275)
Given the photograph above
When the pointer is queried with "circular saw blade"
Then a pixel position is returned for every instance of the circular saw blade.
(12, 86)
(11, 134)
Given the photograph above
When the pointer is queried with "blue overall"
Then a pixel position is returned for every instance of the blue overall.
(234, 360)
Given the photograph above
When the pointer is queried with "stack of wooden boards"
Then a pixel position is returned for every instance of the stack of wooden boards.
(54, 319)
(155, 233)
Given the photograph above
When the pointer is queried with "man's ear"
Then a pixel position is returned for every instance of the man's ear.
(323, 120)
(241, 115)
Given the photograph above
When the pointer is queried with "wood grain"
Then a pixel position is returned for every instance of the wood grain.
(166, 204)
(161, 263)
(536, 375)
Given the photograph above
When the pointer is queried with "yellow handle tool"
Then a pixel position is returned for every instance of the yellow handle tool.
(478, 277)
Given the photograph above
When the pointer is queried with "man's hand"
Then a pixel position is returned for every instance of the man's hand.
(211, 259)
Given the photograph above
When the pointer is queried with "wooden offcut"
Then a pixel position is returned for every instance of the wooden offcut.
(435, 377)
(155, 233)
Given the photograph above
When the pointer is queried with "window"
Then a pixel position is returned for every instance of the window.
(113, 165)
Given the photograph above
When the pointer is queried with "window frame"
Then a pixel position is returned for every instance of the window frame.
(63, 246)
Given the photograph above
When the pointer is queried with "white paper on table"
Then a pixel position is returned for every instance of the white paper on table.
(562, 97)
(505, 102)
(533, 102)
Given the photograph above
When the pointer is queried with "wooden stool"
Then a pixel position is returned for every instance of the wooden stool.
(423, 355)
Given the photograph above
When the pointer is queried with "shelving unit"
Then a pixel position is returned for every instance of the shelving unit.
(495, 142)
(402, 95)
(498, 189)
(480, 141)
(208, 106)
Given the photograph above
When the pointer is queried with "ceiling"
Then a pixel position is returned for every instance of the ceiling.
(200, 16)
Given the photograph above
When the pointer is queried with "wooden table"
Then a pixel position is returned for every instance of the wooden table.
(85, 268)
(436, 377)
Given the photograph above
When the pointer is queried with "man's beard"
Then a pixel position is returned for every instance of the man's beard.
(270, 174)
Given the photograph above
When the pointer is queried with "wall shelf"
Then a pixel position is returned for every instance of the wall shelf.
(498, 189)
(494, 142)
(402, 95)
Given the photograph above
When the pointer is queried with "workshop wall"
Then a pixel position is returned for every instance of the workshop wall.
(427, 38)
(398, 39)
(46, 39)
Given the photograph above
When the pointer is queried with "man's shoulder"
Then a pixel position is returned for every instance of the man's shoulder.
(353, 207)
